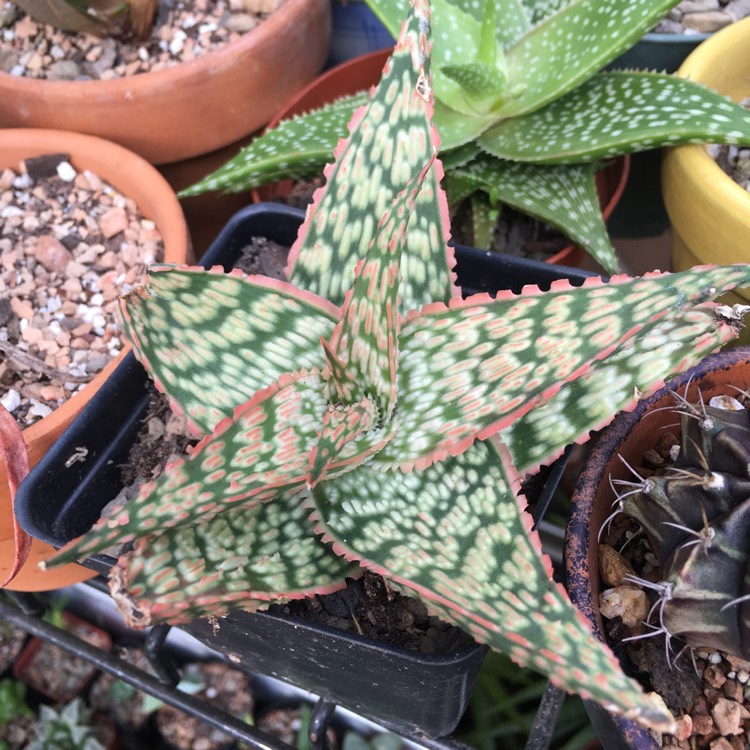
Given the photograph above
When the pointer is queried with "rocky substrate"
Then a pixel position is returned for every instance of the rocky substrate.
(182, 31)
(70, 245)
(702, 16)
(734, 160)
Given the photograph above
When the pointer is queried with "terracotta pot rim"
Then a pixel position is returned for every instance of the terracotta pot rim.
(135, 178)
(129, 86)
(123, 161)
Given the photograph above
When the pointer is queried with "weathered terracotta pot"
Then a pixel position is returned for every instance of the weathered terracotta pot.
(362, 72)
(188, 109)
(137, 179)
(629, 435)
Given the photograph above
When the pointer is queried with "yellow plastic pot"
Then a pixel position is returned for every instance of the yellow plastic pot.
(709, 212)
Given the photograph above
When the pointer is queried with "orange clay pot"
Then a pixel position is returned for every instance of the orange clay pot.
(137, 179)
(362, 72)
(191, 108)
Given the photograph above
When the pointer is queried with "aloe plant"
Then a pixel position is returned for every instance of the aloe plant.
(525, 116)
(357, 414)
(119, 18)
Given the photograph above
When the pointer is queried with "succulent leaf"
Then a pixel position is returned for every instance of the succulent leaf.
(617, 113)
(212, 340)
(294, 149)
(467, 370)
(614, 384)
(15, 461)
(569, 47)
(261, 452)
(564, 196)
(237, 560)
(456, 535)
(333, 241)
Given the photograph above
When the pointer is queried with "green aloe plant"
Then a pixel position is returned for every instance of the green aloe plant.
(362, 414)
(525, 116)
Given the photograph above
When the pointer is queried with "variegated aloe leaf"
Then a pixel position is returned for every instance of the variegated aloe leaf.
(294, 149)
(211, 340)
(259, 454)
(617, 383)
(617, 113)
(239, 560)
(333, 240)
(570, 46)
(561, 195)
(456, 535)
(469, 369)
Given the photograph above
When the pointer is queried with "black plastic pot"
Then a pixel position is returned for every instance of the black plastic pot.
(60, 500)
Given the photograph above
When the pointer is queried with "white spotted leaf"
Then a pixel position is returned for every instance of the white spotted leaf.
(632, 372)
(573, 44)
(296, 148)
(617, 113)
(563, 196)
(237, 560)
(456, 536)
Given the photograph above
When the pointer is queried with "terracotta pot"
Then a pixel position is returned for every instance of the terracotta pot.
(629, 435)
(710, 213)
(136, 178)
(48, 685)
(363, 72)
(191, 108)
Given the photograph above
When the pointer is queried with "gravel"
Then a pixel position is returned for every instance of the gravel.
(183, 31)
(734, 160)
(71, 245)
(702, 16)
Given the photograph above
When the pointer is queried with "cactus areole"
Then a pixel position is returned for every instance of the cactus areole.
(362, 414)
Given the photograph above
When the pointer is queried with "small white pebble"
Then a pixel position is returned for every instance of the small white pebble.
(715, 657)
(11, 400)
(731, 675)
(742, 676)
(40, 410)
(143, 53)
(66, 172)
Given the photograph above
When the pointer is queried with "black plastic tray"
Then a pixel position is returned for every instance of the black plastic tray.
(59, 501)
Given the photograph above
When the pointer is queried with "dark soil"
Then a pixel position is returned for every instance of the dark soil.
(11, 643)
(224, 687)
(369, 606)
(59, 674)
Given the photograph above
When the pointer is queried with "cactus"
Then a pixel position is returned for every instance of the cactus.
(355, 415)
(696, 516)
(526, 116)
